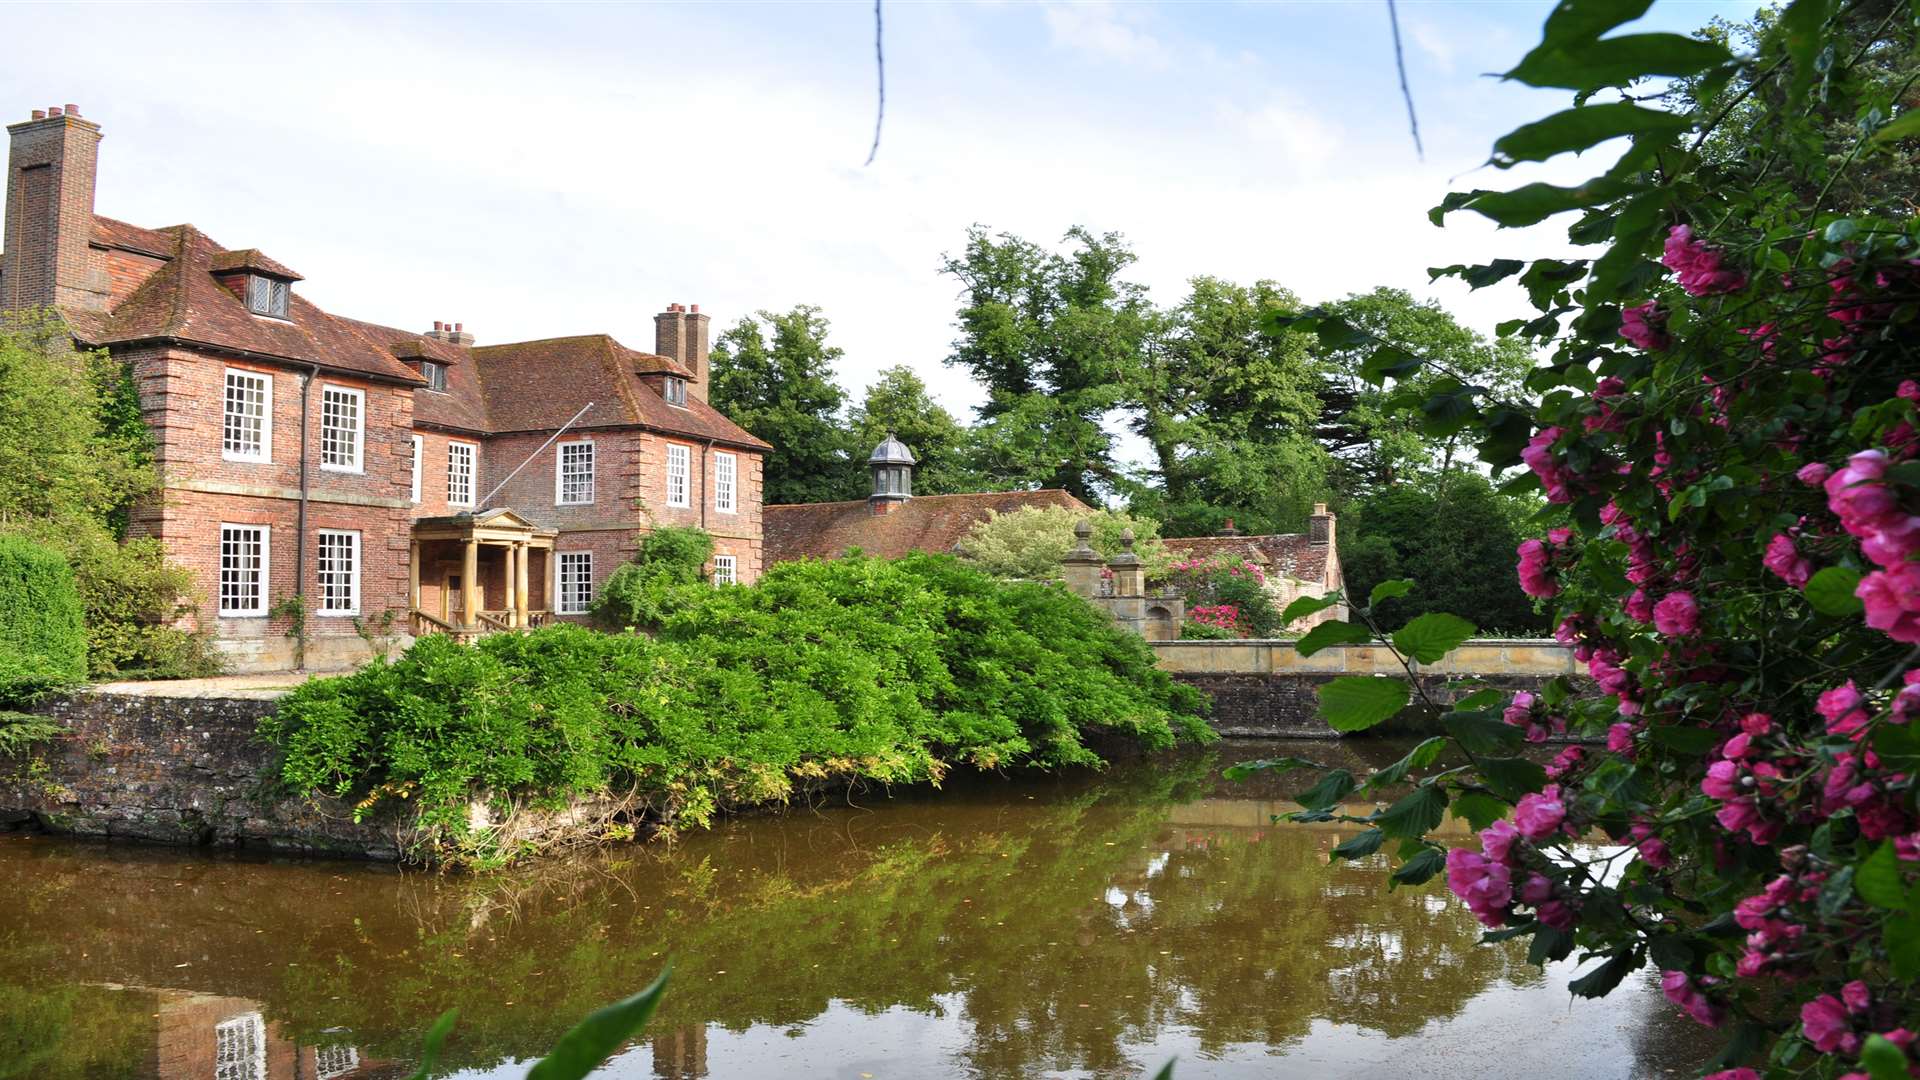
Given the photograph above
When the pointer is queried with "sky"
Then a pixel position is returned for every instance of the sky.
(538, 171)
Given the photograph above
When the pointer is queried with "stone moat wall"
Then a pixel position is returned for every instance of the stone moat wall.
(1266, 689)
(177, 768)
(171, 770)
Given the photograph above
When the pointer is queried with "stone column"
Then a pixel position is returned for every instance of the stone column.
(523, 554)
(470, 584)
(413, 579)
(508, 575)
(1081, 567)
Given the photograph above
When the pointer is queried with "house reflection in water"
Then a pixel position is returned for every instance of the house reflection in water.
(197, 1036)
(681, 1054)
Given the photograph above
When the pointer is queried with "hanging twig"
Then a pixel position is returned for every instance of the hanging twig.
(1400, 62)
(880, 67)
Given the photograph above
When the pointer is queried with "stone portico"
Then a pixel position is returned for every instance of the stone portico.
(472, 574)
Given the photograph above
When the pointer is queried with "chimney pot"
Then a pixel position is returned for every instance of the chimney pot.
(53, 110)
(39, 114)
(457, 326)
(437, 325)
(73, 110)
(696, 309)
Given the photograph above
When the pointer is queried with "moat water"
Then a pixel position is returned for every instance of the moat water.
(1091, 925)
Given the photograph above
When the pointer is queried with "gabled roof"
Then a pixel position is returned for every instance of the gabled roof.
(183, 300)
(930, 523)
(462, 405)
(539, 385)
(250, 259)
(1292, 554)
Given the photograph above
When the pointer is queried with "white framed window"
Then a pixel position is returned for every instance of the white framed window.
(573, 474)
(331, 1062)
(435, 374)
(461, 458)
(240, 1048)
(726, 570)
(576, 582)
(246, 424)
(679, 470)
(419, 448)
(339, 564)
(726, 482)
(244, 553)
(342, 428)
(268, 297)
(676, 391)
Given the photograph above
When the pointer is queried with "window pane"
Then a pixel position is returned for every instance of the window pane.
(277, 304)
(259, 294)
(576, 473)
(725, 476)
(460, 474)
(243, 564)
(576, 582)
(245, 415)
(339, 572)
(340, 410)
(724, 570)
(678, 470)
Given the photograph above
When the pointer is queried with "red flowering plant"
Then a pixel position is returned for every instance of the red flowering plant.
(1227, 592)
(1727, 436)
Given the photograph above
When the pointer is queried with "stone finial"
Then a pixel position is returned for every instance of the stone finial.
(1081, 566)
(1126, 556)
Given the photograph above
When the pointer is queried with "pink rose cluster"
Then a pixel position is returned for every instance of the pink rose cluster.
(1773, 927)
(1553, 476)
(1785, 560)
(1523, 712)
(1485, 880)
(1700, 268)
(1224, 616)
(1835, 1024)
(1645, 326)
(1870, 509)
(1608, 394)
(1692, 997)
(1538, 559)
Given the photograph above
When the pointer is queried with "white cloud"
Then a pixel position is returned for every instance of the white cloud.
(1104, 29)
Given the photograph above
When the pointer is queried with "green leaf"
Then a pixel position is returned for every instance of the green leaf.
(1835, 893)
(1478, 810)
(1830, 591)
(1308, 605)
(1418, 758)
(1357, 702)
(1478, 277)
(1481, 699)
(1511, 778)
(1801, 29)
(1883, 1059)
(1416, 814)
(1879, 881)
(1388, 590)
(1589, 65)
(1841, 230)
(1685, 740)
(1548, 944)
(1333, 787)
(1240, 770)
(1574, 21)
(1901, 940)
(1331, 632)
(1670, 952)
(593, 1040)
(1601, 980)
(1429, 637)
(1389, 362)
(1166, 1071)
(1358, 847)
(1904, 126)
(430, 1046)
(1580, 128)
(1483, 733)
(1420, 869)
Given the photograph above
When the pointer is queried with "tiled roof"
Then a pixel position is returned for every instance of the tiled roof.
(182, 300)
(538, 385)
(1292, 554)
(251, 259)
(524, 386)
(931, 523)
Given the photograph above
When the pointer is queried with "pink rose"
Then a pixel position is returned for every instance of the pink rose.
(1786, 561)
(1497, 840)
(1855, 995)
(1677, 615)
(1814, 473)
(1723, 780)
(1824, 1021)
(1538, 816)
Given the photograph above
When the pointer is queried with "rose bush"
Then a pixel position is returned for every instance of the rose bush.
(1726, 432)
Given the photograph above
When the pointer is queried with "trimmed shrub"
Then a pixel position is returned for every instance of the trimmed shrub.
(822, 672)
(1029, 543)
(43, 637)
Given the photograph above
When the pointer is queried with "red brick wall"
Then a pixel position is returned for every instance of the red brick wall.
(433, 472)
(737, 534)
(50, 178)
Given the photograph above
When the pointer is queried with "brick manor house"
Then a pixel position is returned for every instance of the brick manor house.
(406, 480)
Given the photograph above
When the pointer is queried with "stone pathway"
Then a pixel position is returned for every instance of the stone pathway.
(267, 686)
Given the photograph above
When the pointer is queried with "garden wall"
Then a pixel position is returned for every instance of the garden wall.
(1267, 689)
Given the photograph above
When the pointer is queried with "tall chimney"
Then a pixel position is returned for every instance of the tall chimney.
(51, 162)
(680, 335)
(1320, 527)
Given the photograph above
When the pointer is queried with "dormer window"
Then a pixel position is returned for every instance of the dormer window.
(676, 391)
(435, 374)
(266, 296)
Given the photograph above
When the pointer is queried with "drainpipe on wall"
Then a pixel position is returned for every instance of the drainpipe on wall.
(300, 525)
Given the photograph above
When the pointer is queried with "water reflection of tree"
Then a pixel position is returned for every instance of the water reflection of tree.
(1066, 926)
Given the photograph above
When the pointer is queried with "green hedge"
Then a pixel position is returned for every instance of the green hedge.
(893, 671)
(43, 636)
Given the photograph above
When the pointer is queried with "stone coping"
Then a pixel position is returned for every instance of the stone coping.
(1480, 656)
(265, 687)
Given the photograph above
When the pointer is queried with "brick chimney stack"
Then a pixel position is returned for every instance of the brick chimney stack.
(51, 163)
(1320, 526)
(452, 333)
(680, 335)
